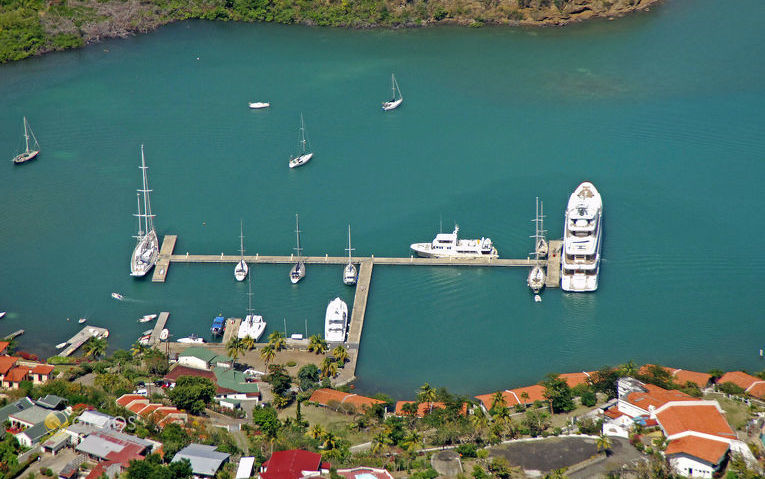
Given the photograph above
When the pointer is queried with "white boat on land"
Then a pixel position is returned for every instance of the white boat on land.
(298, 270)
(193, 339)
(2, 314)
(147, 248)
(350, 275)
(449, 245)
(164, 334)
(536, 279)
(117, 296)
(61, 345)
(253, 325)
(582, 234)
(259, 105)
(336, 321)
(241, 269)
(396, 97)
(82, 320)
(29, 153)
(303, 156)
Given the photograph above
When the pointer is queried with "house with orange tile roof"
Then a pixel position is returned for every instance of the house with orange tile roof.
(681, 376)
(575, 379)
(513, 397)
(160, 414)
(4, 347)
(698, 434)
(333, 398)
(424, 408)
(752, 385)
(13, 371)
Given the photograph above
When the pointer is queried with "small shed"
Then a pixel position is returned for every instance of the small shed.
(245, 467)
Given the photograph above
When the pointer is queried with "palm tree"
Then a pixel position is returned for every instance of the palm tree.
(328, 368)
(413, 441)
(317, 344)
(498, 399)
(604, 444)
(329, 441)
(267, 354)
(249, 343)
(427, 394)
(276, 341)
(341, 354)
(316, 431)
(138, 349)
(629, 369)
(557, 474)
(380, 440)
(94, 347)
(234, 347)
(479, 422)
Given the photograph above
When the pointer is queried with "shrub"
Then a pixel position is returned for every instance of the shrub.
(291, 364)
(730, 388)
(467, 450)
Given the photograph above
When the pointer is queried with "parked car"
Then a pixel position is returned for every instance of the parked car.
(141, 392)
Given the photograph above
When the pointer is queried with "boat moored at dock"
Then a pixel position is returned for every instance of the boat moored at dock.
(241, 269)
(582, 235)
(146, 250)
(253, 325)
(350, 275)
(298, 270)
(218, 325)
(449, 245)
(336, 321)
(193, 339)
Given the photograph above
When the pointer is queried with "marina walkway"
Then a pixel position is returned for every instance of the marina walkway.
(80, 338)
(158, 327)
(552, 278)
(232, 329)
(163, 263)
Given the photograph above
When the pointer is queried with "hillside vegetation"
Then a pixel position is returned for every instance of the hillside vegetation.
(31, 27)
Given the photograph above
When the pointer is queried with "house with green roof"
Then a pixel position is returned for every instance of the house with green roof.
(199, 357)
(232, 384)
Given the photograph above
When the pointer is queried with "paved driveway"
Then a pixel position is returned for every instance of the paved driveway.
(546, 454)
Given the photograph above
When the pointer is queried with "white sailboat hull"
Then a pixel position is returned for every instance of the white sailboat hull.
(300, 160)
(145, 255)
(241, 270)
(392, 105)
(350, 276)
(253, 327)
(536, 279)
(26, 156)
(297, 272)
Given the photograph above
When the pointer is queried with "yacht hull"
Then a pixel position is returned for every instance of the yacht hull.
(582, 240)
(336, 321)
(24, 157)
(145, 255)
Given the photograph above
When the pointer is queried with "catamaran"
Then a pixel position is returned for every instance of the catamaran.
(336, 321)
(241, 269)
(303, 156)
(350, 275)
(395, 100)
(580, 257)
(298, 271)
(29, 153)
(253, 325)
(536, 279)
(147, 248)
(448, 244)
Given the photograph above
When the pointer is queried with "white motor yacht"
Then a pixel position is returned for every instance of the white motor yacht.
(336, 321)
(580, 256)
(448, 244)
(193, 339)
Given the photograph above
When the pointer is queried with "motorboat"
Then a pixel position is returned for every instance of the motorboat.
(82, 320)
(350, 275)
(582, 234)
(145, 340)
(396, 97)
(2, 314)
(146, 249)
(303, 156)
(117, 296)
(193, 339)
(61, 345)
(164, 335)
(218, 326)
(146, 318)
(449, 245)
(336, 321)
(28, 153)
(259, 105)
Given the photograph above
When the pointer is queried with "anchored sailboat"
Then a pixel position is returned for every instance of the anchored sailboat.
(349, 273)
(396, 97)
(29, 153)
(147, 249)
(298, 271)
(241, 269)
(303, 155)
(536, 279)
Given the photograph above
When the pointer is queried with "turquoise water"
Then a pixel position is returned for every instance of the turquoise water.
(663, 111)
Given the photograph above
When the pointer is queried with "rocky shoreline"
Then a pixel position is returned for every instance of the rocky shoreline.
(61, 24)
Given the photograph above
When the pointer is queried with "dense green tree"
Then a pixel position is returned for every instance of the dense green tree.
(9, 449)
(604, 381)
(536, 422)
(267, 420)
(656, 374)
(276, 341)
(192, 393)
(730, 388)
(173, 438)
(279, 379)
(317, 344)
(308, 377)
(152, 468)
(94, 347)
(341, 354)
(558, 393)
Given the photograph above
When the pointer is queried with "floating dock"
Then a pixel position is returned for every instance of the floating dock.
(80, 338)
(232, 329)
(158, 327)
(163, 262)
(552, 276)
(14, 335)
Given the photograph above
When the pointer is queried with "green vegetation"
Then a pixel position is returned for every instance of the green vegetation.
(152, 468)
(192, 393)
(31, 27)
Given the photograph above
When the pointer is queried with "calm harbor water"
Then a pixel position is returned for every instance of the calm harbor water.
(663, 111)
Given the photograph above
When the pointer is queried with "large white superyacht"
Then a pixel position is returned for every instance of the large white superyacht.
(336, 321)
(448, 244)
(580, 258)
(147, 248)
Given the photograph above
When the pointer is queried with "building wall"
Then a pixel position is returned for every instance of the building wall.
(689, 467)
(193, 362)
(629, 409)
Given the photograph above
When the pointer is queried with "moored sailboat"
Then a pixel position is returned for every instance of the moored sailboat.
(298, 270)
(253, 325)
(396, 97)
(536, 279)
(241, 269)
(29, 153)
(303, 155)
(146, 250)
(350, 275)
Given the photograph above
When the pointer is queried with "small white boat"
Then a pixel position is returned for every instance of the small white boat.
(28, 153)
(82, 320)
(147, 332)
(303, 156)
(2, 314)
(117, 296)
(350, 275)
(296, 336)
(145, 340)
(147, 318)
(395, 100)
(537, 298)
(298, 270)
(241, 269)
(164, 335)
(61, 345)
(259, 105)
(193, 339)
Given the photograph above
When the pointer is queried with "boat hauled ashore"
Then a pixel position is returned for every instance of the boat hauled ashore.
(580, 258)
(449, 245)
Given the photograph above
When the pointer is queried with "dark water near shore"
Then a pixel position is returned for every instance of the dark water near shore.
(663, 111)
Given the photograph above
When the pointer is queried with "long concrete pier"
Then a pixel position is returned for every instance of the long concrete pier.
(158, 327)
(552, 275)
(80, 338)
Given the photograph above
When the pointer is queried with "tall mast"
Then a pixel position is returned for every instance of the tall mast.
(536, 232)
(139, 236)
(149, 218)
(249, 293)
(393, 85)
(297, 233)
(349, 244)
(26, 135)
(302, 132)
(241, 238)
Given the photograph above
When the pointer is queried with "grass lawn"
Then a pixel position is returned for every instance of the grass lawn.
(331, 421)
(736, 412)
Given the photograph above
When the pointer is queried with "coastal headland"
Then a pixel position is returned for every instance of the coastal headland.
(29, 28)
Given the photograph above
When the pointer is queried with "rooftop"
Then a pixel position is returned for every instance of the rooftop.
(36, 415)
(199, 352)
(36, 432)
(708, 450)
(14, 407)
(424, 408)
(703, 418)
(325, 396)
(6, 363)
(751, 384)
(514, 397)
(234, 380)
(51, 401)
(290, 464)
(205, 460)
(656, 397)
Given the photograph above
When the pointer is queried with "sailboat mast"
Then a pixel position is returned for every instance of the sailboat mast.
(148, 217)
(249, 293)
(241, 238)
(26, 134)
(139, 236)
(302, 132)
(349, 245)
(297, 234)
(393, 86)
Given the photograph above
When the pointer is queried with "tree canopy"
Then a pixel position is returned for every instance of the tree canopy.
(192, 393)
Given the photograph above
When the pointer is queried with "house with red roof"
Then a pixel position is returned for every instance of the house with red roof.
(681, 377)
(752, 385)
(699, 437)
(293, 464)
(513, 397)
(365, 473)
(160, 414)
(4, 347)
(334, 398)
(13, 371)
